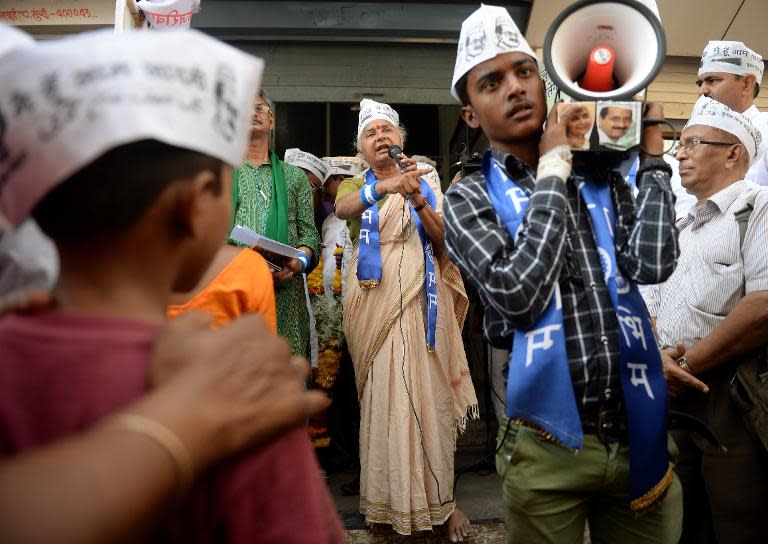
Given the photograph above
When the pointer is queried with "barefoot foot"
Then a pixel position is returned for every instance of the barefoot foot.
(458, 526)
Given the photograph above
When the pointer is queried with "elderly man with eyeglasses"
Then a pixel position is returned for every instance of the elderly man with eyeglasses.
(274, 199)
(711, 315)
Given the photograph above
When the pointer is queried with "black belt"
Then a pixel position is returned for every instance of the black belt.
(608, 429)
(608, 421)
(610, 426)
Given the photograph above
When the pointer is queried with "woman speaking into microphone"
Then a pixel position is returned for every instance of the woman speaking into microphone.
(403, 311)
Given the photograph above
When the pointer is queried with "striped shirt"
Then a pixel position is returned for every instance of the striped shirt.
(712, 274)
(516, 280)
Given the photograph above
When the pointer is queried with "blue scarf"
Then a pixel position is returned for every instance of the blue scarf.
(632, 174)
(369, 255)
(539, 387)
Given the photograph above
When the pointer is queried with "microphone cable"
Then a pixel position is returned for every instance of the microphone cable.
(402, 363)
(407, 390)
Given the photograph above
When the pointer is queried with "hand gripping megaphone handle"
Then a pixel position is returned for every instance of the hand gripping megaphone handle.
(651, 122)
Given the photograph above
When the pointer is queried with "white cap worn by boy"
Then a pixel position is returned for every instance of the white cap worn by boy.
(28, 258)
(487, 33)
(65, 103)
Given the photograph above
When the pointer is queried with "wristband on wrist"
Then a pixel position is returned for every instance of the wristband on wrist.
(376, 196)
(164, 437)
(365, 197)
(304, 260)
(555, 163)
(421, 206)
(369, 196)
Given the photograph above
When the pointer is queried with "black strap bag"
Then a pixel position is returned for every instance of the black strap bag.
(749, 385)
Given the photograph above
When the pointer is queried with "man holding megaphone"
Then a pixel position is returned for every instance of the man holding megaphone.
(554, 248)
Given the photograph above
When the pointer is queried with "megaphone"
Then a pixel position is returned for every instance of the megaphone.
(590, 37)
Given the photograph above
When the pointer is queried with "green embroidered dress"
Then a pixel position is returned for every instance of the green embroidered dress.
(252, 211)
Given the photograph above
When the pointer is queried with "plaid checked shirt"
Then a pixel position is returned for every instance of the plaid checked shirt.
(516, 280)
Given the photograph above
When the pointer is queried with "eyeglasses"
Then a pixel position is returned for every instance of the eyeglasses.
(690, 143)
(262, 108)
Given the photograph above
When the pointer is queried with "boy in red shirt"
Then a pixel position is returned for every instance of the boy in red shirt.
(121, 146)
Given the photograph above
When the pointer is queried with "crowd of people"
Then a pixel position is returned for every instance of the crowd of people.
(154, 370)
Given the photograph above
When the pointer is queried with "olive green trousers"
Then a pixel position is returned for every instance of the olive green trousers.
(550, 492)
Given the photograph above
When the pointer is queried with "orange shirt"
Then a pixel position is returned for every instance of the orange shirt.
(243, 286)
(261, 495)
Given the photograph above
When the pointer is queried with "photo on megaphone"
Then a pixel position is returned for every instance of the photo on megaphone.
(602, 125)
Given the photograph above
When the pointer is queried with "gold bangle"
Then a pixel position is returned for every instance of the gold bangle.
(165, 438)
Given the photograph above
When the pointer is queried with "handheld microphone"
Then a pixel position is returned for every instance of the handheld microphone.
(394, 151)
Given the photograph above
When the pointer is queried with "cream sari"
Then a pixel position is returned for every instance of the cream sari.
(412, 403)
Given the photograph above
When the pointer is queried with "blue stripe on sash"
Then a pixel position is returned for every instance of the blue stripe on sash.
(369, 255)
(642, 376)
(539, 387)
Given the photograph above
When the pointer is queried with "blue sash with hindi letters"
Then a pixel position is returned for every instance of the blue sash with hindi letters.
(632, 174)
(369, 255)
(642, 376)
(539, 388)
